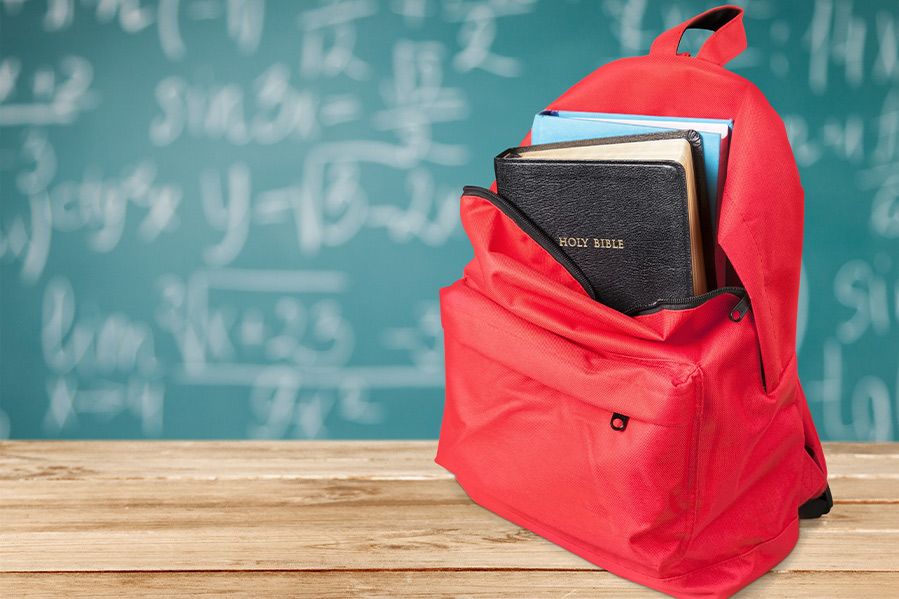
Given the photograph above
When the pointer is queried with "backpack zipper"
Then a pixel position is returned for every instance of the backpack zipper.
(547, 243)
(534, 232)
(696, 300)
(735, 314)
(739, 311)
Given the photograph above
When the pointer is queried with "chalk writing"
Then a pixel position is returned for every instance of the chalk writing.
(232, 217)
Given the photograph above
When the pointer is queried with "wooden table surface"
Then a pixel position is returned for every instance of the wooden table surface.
(341, 519)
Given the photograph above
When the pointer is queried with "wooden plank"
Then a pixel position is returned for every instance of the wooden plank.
(864, 490)
(858, 472)
(321, 524)
(419, 584)
(208, 460)
(250, 460)
(863, 471)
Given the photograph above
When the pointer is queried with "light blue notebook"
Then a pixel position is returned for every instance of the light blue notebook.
(554, 126)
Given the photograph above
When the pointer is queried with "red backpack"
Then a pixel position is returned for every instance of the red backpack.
(674, 448)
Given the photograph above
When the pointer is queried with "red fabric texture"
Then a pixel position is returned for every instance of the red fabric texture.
(698, 496)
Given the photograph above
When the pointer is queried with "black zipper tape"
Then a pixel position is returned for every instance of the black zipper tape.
(693, 301)
(534, 232)
(736, 314)
(547, 243)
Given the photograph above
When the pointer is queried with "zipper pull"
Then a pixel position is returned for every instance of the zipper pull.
(740, 309)
(619, 421)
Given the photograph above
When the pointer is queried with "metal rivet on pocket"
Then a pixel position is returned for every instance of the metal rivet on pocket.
(619, 421)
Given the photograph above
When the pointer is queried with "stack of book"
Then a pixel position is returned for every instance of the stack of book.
(629, 202)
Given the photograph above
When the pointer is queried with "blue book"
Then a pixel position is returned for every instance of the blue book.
(552, 126)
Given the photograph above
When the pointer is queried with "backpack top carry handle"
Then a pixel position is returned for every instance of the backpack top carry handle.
(726, 42)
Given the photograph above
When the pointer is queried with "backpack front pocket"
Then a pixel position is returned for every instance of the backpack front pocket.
(595, 450)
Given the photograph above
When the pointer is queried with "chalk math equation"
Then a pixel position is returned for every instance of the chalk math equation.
(231, 218)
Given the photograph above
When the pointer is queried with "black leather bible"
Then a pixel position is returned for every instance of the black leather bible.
(627, 211)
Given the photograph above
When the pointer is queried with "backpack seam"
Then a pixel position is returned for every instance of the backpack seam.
(694, 462)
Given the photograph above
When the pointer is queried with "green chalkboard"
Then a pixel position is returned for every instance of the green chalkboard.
(231, 218)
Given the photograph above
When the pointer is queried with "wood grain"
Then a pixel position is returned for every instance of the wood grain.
(332, 519)
(216, 460)
(474, 584)
(250, 460)
(327, 524)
